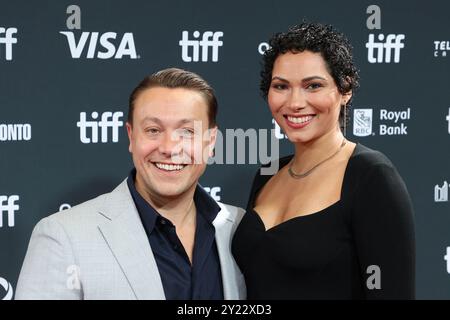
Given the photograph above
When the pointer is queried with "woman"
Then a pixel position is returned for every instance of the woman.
(336, 220)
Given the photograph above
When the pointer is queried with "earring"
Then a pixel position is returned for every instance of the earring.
(345, 120)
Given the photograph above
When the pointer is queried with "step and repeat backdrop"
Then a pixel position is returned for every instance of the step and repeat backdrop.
(67, 69)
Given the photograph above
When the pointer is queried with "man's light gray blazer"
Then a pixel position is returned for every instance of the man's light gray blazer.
(103, 244)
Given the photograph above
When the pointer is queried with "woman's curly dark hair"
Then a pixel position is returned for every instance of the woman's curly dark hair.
(334, 47)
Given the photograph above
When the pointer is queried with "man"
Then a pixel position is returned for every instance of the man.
(158, 235)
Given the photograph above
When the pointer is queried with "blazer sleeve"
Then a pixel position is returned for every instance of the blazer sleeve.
(49, 271)
(383, 228)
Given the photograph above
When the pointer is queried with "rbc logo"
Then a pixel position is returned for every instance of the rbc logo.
(8, 40)
(362, 122)
(8, 205)
(209, 39)
(108, 120)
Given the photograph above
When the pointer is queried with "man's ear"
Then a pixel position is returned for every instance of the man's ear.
(130, 133)
(212, 140)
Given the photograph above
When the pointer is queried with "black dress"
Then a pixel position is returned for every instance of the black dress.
(335, 253)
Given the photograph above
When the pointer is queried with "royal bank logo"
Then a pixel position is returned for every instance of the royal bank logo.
(362, 122)
(90, 130)
(90, 45)
(395, 122)
(7, 40)
(389, 122)
(382, 48)
(441, 48)
(7, 292)
(441, 192)
(192, 50)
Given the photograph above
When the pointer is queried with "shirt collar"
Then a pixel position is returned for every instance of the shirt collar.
(204, 203)
(147, 213)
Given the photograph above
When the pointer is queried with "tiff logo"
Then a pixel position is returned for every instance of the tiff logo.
(8, 205)
(441, 193)
(8, 40)
(209, 39)
(213, 192)
(383, 48)
(393, 43)
(108, 120)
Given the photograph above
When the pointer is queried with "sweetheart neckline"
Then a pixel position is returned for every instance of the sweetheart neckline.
(300, 217)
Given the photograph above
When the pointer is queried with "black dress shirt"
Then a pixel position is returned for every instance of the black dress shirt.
(181, 280)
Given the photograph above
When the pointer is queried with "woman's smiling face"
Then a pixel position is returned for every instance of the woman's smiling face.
(303, 96)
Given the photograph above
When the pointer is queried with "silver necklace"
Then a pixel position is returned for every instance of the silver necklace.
(307, 173)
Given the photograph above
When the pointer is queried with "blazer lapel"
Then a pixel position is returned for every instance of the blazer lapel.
(232, 279)
(126, 237)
